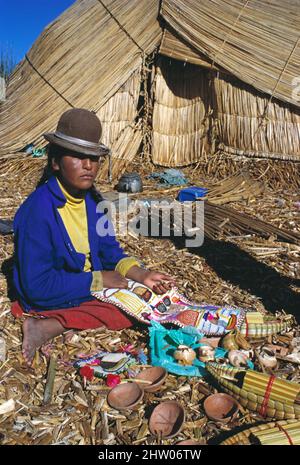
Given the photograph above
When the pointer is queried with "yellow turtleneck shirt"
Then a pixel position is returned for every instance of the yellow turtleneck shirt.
(74, 217)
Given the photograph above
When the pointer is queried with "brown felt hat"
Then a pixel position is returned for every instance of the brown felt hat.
(79, 130)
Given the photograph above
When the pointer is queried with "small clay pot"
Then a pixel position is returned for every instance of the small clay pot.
(156, 375)
(167, 419)
(221, 407)
(125, 396)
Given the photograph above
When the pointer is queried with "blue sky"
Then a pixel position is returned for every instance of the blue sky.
(22, 21)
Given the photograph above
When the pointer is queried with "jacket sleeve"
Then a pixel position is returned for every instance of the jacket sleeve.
(41, 282)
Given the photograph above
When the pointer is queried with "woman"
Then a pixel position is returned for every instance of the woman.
(59, 257)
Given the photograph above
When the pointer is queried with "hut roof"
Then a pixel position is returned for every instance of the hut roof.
(258, 41)
(86, 55)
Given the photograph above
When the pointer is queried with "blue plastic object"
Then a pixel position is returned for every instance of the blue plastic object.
(191, 194)
(163, 343)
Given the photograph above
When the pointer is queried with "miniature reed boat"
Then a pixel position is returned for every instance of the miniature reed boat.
(285, 433)
(266, 394)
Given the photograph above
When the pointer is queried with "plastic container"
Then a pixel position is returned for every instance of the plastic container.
(191, 194)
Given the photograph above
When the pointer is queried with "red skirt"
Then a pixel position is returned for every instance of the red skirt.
(88, 315)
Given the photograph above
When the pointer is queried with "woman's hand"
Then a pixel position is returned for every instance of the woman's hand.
(113, 279)
(158, 282)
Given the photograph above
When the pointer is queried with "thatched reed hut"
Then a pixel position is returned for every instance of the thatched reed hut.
(175, 79)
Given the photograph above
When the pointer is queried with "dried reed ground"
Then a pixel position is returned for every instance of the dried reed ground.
(253, 273)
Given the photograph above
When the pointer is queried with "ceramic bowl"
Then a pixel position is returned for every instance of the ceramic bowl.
(167, 419)
(155, 375)
(221, 407)
(125, 396)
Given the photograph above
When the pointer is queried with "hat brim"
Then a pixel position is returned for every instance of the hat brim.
(99, 151)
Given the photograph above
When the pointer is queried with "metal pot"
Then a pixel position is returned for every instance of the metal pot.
(130, 182)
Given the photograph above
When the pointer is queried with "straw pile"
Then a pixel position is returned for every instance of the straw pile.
(270, 434)
(275, 173)
(256, 41)
(81, 59)
(234, 188)
(180, 118)
(222, 221)
(78, 412)
(242, 129)
(270, 396)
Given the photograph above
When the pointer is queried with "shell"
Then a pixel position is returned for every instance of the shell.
(229, 343)
(235, 340)
(237, 358)
(206, 353)
(267, 358)
(241, 341)
(185, 355)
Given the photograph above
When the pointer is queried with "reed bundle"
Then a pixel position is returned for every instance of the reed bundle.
(270, 396)
(120, 110)
(81, 59)
(228, 222)
(234, 188)
(285, 432)
(280, 435)
(255, 41)
(180, 118)
(123, 150)
(267, 328)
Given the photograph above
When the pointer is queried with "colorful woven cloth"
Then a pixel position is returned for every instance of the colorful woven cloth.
(104, 363)
(143, 304)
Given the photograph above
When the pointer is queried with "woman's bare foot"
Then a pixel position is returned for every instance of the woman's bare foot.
(36, 332)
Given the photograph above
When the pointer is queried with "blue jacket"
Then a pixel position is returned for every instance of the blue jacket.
(48, 272)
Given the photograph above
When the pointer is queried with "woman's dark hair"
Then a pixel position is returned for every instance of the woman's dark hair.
(55, 152)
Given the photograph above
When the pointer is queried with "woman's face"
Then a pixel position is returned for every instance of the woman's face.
(76, 171)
